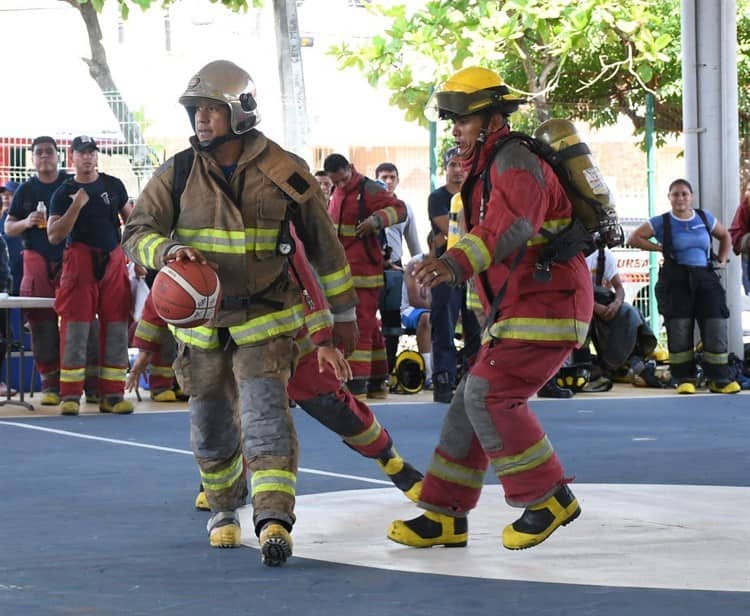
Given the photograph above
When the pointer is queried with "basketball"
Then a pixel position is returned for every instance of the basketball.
(186, 293)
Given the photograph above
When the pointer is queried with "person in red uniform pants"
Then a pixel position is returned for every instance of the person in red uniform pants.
(510, 196)
(316, 384)
(361, 208)
(85, 211)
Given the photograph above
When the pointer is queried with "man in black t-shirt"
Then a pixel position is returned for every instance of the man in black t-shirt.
(41, 260)
(85, 212)
(447, 301)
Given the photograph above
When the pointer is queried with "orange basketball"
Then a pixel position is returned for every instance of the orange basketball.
(186, 293)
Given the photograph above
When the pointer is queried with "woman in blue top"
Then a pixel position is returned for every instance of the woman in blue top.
(689, 289)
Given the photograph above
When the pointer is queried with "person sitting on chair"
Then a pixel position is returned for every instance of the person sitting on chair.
(415, 311)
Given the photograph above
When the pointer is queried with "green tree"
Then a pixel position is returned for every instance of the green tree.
(140, 155)
(587, 59)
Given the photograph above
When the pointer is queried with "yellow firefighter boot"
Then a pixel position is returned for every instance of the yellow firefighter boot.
(201, 501)
(224, 530)
(164, 396)
(70, 407)
(275, 544)
(403, 475)
(429, 530)
(115, 405)
(540, 521)
(50, 398)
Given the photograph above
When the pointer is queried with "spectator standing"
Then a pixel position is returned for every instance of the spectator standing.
(689, 289)
(387, 173)
(509, 196)
(237, 365)
(448, 302)
(325, 183)
(14, 244)
(361, 208)
(85, 213)
(740, 234)
(42, 261)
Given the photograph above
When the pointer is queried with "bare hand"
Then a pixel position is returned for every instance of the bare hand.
(186, 253)
(432, 272)
(79, 198)
(331, 356)
(138, 368)
(346, 335)
(366, 227)
(34, 219)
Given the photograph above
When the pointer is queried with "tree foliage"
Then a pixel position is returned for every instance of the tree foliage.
(587, 59)
(125, 5)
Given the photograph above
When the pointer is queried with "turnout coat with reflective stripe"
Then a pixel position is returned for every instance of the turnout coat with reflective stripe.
(525, 194)
(236, 224)
(364, 253)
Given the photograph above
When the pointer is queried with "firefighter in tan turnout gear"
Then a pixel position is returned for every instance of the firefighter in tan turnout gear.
(239, 199)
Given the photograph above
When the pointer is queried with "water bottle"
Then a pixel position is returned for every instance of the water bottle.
(42, 209)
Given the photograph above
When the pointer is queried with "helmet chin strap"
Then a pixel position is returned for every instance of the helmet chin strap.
(208, 146)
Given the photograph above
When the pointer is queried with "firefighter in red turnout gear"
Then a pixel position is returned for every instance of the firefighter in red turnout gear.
(510, 196)
(361, 208)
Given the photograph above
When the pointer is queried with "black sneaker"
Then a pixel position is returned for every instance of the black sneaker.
(443, 388)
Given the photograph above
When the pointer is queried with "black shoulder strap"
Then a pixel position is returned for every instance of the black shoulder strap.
(361, 201)
(704, 218)
(183, 163)
(666, 245)
(600, 261)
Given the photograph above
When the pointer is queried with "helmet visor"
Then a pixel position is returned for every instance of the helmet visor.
(448, 105)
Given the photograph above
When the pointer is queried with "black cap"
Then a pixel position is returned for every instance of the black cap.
(449, 155)
(43, 139)
(84, 143)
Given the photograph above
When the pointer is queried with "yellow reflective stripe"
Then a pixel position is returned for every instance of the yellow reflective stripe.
(148, 331)
(72, 375)
(475, 251)
(164, 371)
(551, 226)
(391, 215)
(540, 330)
(472, 298)
(223, 479)
(337, 282)
(378, 354)
(455, 473)
(269, 325)
(212, 240)
(305, 345)
(368, 282)
(273, 481)
(149, 249)
(368, 436)
(360, 355)
(715, 358)
(263, 239)
(534, 456)
(347, 230)
(201, 337)
(108, 373)
(320, 319)
(681, 358)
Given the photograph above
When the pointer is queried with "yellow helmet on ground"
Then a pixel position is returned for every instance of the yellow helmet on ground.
(409, 372)
(471, 90)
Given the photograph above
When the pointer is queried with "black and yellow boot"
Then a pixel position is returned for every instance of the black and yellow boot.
(403, 475)
(540, 521)
(429, 530)
(275, 543)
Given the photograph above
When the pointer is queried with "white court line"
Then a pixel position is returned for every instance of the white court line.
(309, 471)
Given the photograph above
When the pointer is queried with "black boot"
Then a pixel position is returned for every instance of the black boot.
(552, 390)
(443, 387)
